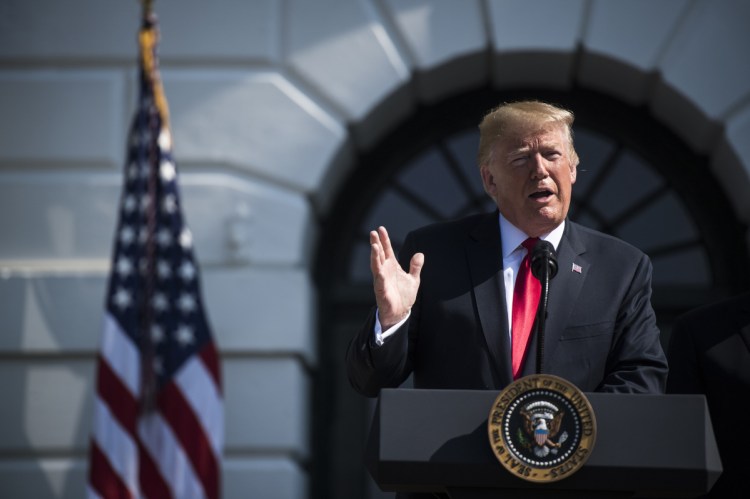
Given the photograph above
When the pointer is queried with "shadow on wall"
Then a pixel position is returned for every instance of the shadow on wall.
(46, 420)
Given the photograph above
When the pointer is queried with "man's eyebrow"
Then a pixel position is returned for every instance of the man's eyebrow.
(519, 149)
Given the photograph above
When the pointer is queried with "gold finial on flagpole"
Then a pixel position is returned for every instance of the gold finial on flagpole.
(149, 39)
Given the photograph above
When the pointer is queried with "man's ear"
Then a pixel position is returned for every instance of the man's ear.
(573, 174)
(488, 179)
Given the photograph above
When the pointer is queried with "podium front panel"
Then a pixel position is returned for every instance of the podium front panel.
(646, 446)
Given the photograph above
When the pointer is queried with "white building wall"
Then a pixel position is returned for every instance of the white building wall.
(269, 101)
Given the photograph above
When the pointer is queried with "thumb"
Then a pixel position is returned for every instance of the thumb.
(415, 266)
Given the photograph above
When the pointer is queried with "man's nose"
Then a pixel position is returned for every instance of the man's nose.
(539, 166)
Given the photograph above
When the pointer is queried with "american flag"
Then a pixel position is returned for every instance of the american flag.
(158, 418)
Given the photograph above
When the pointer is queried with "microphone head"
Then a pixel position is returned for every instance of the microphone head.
(543, 255)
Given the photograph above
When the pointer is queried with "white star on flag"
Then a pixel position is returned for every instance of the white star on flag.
(163, 270)
(124, 266)
(186, 303)
(167, 170)
(164, 237)
(186, 238)
(169, 205)
(160, 302)
(157, 333)
(122, 298)
(185, 335)
(129, 203)
(187, 271)
(127, 235)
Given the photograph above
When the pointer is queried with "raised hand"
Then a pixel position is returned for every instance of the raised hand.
(395, 290)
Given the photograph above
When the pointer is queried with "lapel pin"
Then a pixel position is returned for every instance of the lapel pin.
(577, 268)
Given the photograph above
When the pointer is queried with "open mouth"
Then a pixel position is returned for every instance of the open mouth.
(540, 194)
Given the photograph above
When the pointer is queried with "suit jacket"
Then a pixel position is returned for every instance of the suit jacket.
(709, 353)
(601, 331)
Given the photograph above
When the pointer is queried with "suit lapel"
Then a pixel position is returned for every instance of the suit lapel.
(563, 294)
(485, 261)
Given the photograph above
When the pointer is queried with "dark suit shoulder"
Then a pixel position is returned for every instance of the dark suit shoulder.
(597, 242)
(444, 243)
(451, 228)
(453, 233)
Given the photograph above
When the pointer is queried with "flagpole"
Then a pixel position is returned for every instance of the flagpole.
(148, 7)
(148, 39)
(159, 428)
(148, 42)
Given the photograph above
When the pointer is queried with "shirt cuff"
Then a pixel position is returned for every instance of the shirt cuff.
(380, 335)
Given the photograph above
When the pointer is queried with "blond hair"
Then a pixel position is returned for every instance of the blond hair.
(508, 120)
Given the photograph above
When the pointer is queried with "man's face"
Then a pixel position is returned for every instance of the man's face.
(530, 177)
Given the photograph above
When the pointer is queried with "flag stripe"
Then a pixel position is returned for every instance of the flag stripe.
(192, 437)
(210, 358)
(121, 354)
(152, 481)
(121, 451)
(124, 408)
(116, 429)
(159, 440)
(90, 492)
(197, 386)
(105, 481)
(116, 396)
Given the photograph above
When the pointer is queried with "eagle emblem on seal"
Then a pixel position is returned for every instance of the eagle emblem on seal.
(541, 428)
(542, 423)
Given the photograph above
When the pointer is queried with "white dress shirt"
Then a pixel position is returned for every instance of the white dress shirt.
(512, 239)
(513, 252)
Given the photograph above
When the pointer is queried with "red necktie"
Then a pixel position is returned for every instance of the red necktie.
(525, 301)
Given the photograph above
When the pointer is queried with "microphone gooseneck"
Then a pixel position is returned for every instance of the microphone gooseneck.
(544, 268)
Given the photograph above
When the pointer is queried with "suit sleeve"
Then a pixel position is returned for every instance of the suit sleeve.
(370, 367)
(636, 362)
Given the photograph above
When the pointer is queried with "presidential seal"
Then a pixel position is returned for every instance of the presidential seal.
(542, 428)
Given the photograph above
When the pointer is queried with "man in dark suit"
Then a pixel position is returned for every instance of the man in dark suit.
(445, 312)
(709, 353)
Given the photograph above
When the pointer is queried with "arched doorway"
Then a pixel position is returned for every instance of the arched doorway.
(636, 180)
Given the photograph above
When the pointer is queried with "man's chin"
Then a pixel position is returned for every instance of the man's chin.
(545, 220)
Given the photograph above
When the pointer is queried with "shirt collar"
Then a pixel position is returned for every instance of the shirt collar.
(511, 236)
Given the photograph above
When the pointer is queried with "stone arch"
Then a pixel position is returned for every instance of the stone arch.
(660, 89)
(670, 69)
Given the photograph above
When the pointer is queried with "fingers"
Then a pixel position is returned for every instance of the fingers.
(380, 247)
(386, 242)
(381, 251)
(376, 252)
(415, 265)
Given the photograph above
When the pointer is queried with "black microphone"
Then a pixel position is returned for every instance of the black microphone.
(544, 268)
(543, 256)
